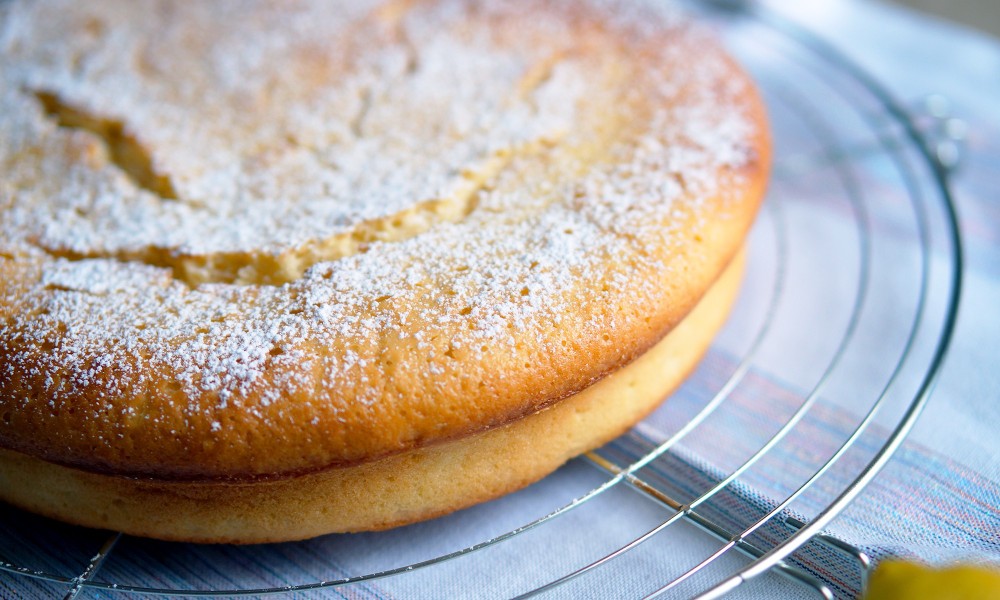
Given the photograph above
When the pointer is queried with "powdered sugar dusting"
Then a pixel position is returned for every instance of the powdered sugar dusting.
(297, 125)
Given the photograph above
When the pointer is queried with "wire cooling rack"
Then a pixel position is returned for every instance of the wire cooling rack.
(847, 310)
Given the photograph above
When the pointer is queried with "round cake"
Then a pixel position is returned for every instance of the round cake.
(270, 270)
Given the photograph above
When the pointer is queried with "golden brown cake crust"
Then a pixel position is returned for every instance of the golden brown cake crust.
(396, 490)
(241, 241)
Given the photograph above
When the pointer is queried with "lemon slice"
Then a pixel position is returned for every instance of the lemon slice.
(900, 580)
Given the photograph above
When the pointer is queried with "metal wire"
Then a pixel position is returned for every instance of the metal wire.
(785, 429)
(834, 156)
(93, 566)
(779, 553)
(840, 155)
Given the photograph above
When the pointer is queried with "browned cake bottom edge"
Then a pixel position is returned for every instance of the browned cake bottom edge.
(396, 490)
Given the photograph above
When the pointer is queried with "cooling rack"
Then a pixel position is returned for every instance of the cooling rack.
(847, 310)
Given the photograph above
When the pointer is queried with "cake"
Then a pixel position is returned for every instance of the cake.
(270, 270)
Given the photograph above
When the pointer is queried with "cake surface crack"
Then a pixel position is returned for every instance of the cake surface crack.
(122, 147)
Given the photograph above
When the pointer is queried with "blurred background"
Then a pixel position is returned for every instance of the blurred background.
(980, 14)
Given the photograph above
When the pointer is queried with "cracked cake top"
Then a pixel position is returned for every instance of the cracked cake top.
(328, 232)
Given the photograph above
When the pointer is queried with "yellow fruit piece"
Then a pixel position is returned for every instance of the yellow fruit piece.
(899, 580)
